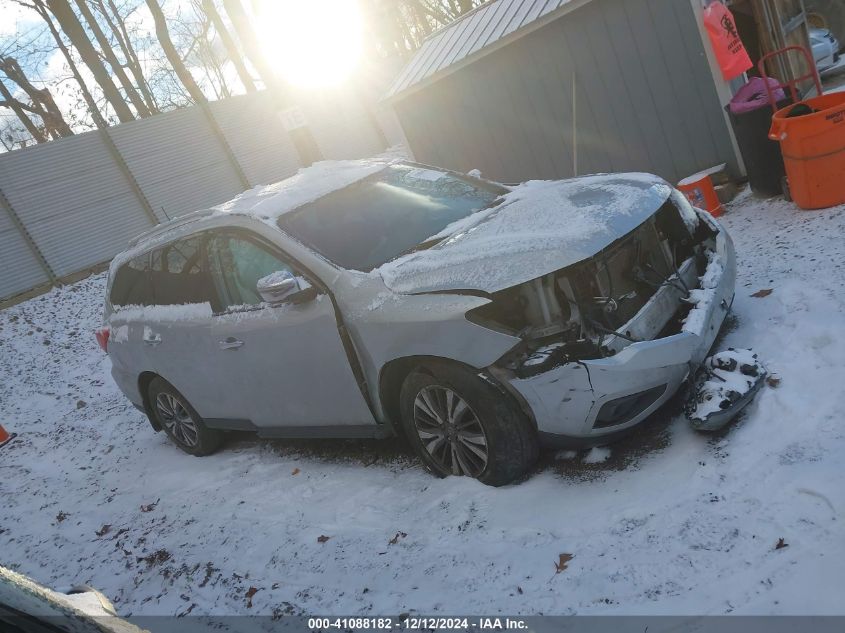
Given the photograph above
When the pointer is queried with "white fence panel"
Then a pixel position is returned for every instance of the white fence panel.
(177, 161)
(73, 199)
(20, 268)
(257, 137)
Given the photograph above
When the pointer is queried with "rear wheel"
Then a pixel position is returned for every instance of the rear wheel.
(180, 421)
(461, 425)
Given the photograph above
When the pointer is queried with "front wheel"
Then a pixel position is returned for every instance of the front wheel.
(461, 425)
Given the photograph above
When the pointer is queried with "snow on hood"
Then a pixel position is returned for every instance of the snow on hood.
(537, 228)
(269, 202)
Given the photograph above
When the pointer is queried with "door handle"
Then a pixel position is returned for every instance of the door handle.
(230, 343)
(152, 340)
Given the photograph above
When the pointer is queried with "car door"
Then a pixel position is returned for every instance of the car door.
(177, 326)
(281, 364)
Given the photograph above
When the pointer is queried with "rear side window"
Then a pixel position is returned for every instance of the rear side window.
(180, 273)
(131, 285)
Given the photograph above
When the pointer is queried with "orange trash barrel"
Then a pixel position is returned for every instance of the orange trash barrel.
(701, 193)
(814, 151)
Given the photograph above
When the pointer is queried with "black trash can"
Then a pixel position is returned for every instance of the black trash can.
(762, 156)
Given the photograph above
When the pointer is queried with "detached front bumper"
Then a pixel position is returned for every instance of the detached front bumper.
(591, 399)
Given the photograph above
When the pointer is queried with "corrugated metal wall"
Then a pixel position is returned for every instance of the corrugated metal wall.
(75, 200)
(645, 100)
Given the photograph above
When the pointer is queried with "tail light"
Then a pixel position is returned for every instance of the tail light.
(102, 335)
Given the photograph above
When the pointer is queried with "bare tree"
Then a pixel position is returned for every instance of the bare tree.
(229, 44)
(117, 24)
(79, 38)
(20, 110)
(249, 41)
(111, 58)
(41, 99)
(163, 35)
(39, 7)
(204, 51)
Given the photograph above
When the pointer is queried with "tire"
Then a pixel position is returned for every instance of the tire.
(180, 421)
(483, 419)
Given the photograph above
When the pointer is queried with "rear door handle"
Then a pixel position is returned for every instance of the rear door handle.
(230, 343)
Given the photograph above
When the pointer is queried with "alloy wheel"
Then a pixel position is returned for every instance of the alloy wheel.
(176, 418)
(450, 431)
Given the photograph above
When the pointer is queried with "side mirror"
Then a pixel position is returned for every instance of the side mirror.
(277, 286)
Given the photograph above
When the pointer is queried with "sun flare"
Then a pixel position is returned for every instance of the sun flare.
(311, 44)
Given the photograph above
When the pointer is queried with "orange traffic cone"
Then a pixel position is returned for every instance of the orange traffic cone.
(5, 436)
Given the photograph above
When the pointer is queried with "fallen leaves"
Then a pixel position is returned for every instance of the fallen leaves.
(781, 544)
(323, 538)
(765, 292)
(396, 538)
(773, 381)
(295, 471)
(561, 565)
(249, 594)
(156, 558)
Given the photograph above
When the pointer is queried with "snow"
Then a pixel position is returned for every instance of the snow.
(688, 214)
(597, 455)
(87, 602)
(274, 278)
(269, 202)
(704, 295)
(537, 227)
(721, 382)
(672, 523)
(148, 314)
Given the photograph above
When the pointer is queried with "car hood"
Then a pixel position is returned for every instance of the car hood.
(537, 228)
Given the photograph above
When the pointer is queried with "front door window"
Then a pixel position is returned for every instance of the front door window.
(237, 264)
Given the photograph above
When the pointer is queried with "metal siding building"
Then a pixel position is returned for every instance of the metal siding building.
(494, 91)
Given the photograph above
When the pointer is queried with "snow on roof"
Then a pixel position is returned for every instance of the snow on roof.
(474, 34)
(268, 202)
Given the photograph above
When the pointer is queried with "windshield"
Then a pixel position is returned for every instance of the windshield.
(386, 215)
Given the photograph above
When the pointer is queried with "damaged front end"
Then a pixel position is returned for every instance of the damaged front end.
(608, 340)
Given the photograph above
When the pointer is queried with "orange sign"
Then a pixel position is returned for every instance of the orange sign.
(731, 54)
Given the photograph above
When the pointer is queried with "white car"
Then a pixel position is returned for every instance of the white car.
(825, 48)
(372, 298)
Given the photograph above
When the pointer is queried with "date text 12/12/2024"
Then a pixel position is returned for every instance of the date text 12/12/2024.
(417, 623)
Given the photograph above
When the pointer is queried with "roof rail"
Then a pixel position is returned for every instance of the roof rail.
(163, 227)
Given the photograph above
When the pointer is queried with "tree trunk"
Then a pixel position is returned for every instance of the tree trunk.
(42, 101)
(249, 41)
(176, 62)
(99, 121)
(118, 27)
(17, 107)
(79, 38)
(229, 44)
(112, 59)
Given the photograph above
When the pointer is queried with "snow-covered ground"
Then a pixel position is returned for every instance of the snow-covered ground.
(668, 522)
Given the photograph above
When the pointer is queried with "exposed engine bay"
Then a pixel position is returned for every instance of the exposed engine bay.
(584, 311)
